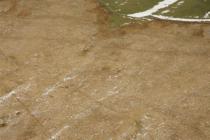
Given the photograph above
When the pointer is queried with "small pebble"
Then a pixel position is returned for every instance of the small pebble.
(17, 113)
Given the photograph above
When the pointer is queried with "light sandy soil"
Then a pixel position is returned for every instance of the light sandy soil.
(65, 74)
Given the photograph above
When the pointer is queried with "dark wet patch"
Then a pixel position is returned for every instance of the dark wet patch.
(24, 13)
(14, 8)
(198, 32)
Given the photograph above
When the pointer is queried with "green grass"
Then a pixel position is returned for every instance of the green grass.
(120, 8)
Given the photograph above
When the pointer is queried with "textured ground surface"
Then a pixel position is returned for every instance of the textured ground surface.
(66, 75)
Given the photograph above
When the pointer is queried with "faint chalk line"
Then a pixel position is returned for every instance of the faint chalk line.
(21, 88)
(52, 88)
(57, 134)
(58, 84)
(110, 94)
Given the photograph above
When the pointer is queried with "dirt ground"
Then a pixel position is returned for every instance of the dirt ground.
(66, 74)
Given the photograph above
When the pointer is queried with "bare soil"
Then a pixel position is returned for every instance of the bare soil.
(67, 74)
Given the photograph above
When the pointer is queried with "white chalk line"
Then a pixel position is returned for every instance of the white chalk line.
(179, 19)
(154, 9)
(58, 134)
(165, 4)
(19, 89)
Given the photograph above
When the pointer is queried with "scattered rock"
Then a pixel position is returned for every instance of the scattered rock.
(17, 113)
(85, 50)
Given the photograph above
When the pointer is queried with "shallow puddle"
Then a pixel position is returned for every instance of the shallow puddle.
(177, 10)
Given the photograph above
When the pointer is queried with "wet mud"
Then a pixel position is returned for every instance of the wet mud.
(67, 73)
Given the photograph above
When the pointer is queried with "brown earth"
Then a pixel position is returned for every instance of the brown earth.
(66, 74)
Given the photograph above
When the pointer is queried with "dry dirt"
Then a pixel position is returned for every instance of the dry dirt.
(66, 74)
